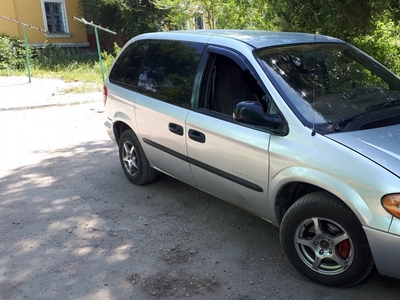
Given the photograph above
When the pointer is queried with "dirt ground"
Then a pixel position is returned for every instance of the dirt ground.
(73, 227)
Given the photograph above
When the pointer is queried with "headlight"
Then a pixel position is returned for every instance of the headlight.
(392, 204)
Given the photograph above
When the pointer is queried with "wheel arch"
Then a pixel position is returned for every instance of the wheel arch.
(119, 127)
(294, 183)
(288, 194)
(122, 123)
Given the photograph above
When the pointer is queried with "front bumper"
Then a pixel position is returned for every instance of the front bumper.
(385, 250)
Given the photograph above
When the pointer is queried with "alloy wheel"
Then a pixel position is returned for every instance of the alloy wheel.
(324, 246)
(129, 158)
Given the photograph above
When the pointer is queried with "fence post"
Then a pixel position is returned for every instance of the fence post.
(25, 39)
(99, 52)
(82, 20)
(27, 54)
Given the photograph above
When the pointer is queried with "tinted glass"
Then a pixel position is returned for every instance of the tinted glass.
(126, 69)
(329, 83)
(169, 70)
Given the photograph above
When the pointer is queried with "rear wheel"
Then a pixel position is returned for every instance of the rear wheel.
(325, 242)
(133, 160)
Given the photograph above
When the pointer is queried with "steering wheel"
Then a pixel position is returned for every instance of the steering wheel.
(340, 84)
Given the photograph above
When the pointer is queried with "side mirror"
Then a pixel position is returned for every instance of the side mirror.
(251, 112)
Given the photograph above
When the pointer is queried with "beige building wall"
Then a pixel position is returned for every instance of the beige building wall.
(32, 12)
(7, 9)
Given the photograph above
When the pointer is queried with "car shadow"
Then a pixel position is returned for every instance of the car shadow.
(74, 227)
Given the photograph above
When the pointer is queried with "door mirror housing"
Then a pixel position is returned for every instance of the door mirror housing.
(251, 112)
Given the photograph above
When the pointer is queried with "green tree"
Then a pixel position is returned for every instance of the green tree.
(373, 25)
(126, 17)
(383, 42)
(177, 13)
(234, 14)
(248, 14)
(340, 18)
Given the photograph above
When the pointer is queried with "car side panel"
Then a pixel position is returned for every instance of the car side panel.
(120, 107)
(321, 162)
(164, 149)
(232, 163)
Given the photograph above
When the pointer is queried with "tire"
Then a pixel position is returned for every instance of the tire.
(133, 160)
(325, 242)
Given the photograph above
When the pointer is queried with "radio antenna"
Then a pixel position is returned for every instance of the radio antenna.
(314, 86)
(314, 70)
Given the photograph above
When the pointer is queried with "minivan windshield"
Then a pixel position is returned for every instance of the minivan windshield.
(330, 86)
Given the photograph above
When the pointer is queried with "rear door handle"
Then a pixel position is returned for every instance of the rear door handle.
(197, 136)
(175, 128)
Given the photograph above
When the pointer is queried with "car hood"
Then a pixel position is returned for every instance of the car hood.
(381, 145)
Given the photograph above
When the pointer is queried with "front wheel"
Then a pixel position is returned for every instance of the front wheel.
(325, 242)
(133, 159)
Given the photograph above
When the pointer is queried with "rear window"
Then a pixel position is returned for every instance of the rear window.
(125, 71)
(169, 69)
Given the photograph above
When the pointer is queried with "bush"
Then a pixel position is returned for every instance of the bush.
(53, 58)
(70, 64)
(12, 53)
(50, 56)
(108, 58)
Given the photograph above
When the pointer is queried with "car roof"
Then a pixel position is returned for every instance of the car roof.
(259, 38)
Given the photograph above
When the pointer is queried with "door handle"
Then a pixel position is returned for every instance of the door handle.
(175, 128)
(197, 136)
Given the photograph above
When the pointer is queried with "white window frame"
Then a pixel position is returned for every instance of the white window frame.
(66, 34)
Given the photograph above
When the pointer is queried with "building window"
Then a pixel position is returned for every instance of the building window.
(55, 17)
(198, 22)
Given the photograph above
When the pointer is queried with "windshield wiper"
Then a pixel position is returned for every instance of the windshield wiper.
(367, 110)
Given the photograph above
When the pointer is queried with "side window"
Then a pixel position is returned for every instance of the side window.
(169, 70)
(126, 69)
(229, 85)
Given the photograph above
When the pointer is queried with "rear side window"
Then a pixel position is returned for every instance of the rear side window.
(169, 70)
(126, 69)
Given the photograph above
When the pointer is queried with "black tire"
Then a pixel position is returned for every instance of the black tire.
(133, 160)
(337, 252)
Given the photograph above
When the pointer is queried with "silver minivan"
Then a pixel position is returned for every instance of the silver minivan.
(301, 130)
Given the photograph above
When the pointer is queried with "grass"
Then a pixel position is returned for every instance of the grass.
(86, 87)
(89, 75)
(70, 65)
